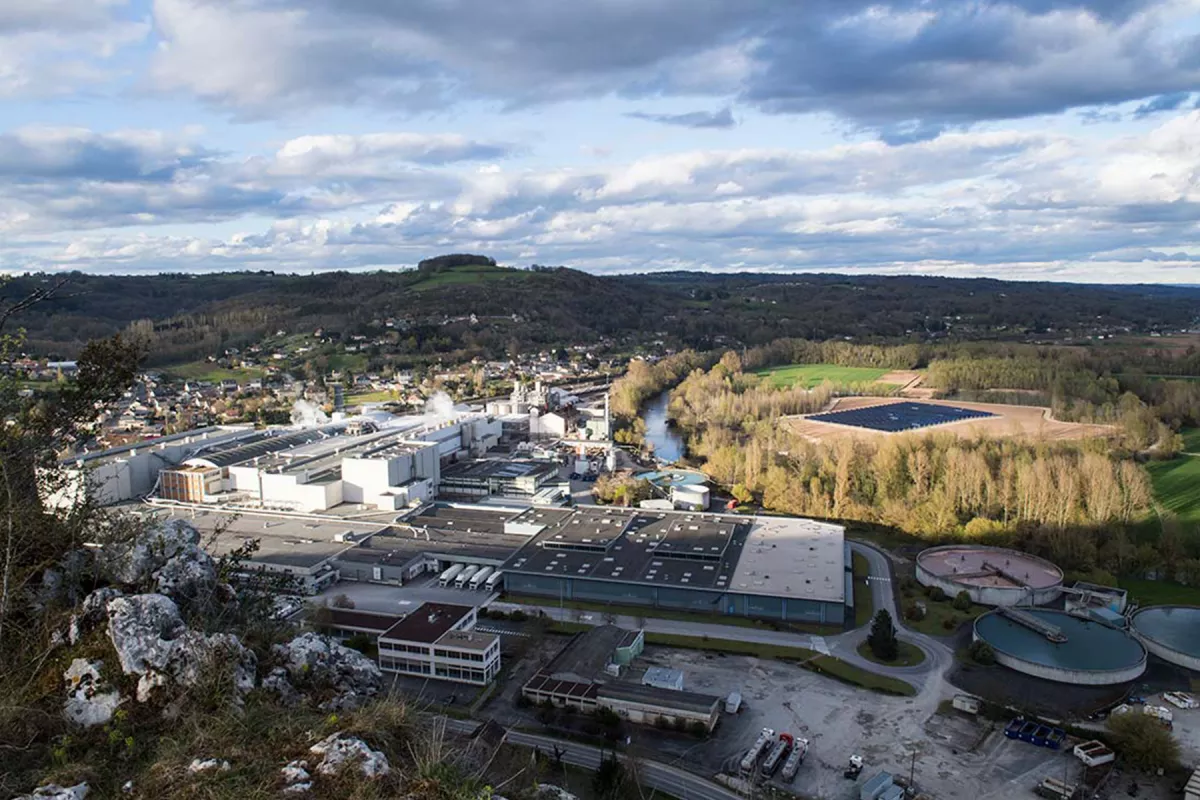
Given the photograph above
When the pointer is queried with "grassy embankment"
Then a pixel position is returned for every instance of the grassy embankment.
(909, 655)
(472, 273)
(864, 601)
(810, 375)
(809, 659)
(207, 371)
(384, 396)
(640, 612)
(1177, 482)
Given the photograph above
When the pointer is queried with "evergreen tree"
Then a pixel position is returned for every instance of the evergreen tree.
(882, 639)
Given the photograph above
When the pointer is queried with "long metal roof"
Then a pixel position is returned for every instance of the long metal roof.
(265, 445)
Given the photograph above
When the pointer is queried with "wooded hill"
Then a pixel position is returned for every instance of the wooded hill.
(192, 316)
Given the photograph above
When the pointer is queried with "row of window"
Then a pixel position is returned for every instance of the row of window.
(403, 648)
(454, 673)
(399, 665)
(456, 655)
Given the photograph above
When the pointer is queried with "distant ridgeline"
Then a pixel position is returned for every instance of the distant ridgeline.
(440, 263)
(462, 306)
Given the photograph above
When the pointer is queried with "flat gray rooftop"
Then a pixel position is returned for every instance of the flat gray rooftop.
(397, 545)
(662, 698)
(793, 558)
(584, 657)
(497, 468)
(286, 542)
(700, 552)
(461, 519)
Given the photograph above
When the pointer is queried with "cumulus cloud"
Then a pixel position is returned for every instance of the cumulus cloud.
(905, 67)
(75, 177)
(55, 47)
(1002, 203)
(691, 119)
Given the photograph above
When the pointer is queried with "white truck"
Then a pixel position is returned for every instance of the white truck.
(1094, 753)
(756, 750)
(1181, 700)
(479, 577)
(449, 575)
(795, 759)
(465, 575)
(779, 751)
(494, 580)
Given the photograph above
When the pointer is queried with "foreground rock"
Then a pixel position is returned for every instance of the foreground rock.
(341, 752)
(89, 701)
(168, 559)
(318, 661)
(153, 643)
(136, 562)
(296, 778)
(91, 613)
(53, 791)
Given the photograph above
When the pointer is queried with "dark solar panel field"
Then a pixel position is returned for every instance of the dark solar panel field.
(895, 417)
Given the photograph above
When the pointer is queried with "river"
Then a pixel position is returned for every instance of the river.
(668, 444)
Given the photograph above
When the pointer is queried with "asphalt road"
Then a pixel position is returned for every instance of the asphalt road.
(843, 645)
(654, 774)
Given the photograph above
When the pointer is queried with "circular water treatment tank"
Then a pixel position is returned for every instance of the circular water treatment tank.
(1061, 647)
(1170, 632)
(667, 478)
(992, 576)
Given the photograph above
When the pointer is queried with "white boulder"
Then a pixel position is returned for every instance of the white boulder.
(208, 765)
(91, 613)
(135, 562)
(89, 701)
(53, 791)
(340, 752)
(153, 643)
(277, 681)
(295, 772)
(318, 660)
(548, 791)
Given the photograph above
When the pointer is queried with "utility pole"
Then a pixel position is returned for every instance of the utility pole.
(912, 770)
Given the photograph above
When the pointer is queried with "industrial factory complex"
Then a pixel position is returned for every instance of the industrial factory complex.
(390, 500)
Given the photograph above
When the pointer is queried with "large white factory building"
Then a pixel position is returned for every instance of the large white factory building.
(285, 469)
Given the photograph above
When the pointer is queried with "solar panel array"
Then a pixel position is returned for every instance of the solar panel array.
(896, 417)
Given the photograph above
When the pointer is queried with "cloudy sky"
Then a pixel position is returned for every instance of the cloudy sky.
(1025, 139)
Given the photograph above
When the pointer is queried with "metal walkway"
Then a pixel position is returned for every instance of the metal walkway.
(1051, 632)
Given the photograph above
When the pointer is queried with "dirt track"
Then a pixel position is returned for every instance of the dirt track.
(1033, 422)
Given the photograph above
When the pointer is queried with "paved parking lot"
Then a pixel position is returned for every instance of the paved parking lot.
(957, 758)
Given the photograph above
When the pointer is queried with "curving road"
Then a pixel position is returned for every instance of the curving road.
(654, 774)
(938, 657)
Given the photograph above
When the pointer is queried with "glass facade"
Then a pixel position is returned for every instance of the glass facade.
(675, 597)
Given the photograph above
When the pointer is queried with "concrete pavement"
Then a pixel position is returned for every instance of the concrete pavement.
(843, 645)
(656, 775)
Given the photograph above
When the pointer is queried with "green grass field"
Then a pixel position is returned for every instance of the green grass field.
(938, 613)
(824, 665)
(372, 397)
(810, 660)
(1177, 482)
(1160, 593)
(207, 371)
(810, 375)
(864, 602)
(467, 274)
(910, 655)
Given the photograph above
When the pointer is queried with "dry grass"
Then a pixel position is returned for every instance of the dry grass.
(1032, 422)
